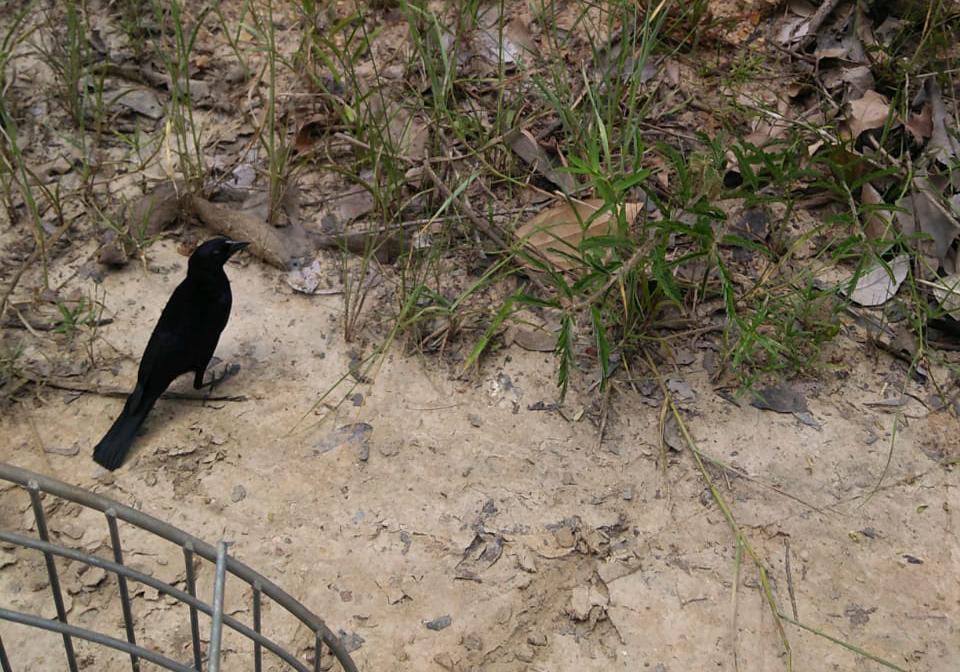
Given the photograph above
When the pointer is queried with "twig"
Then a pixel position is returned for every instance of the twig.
(119, 392)
(819, 16)
(24, 323)
(786, 565)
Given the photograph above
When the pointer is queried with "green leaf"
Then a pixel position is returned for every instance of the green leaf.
(603, 346)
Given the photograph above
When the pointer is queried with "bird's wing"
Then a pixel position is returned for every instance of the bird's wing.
(169, 346)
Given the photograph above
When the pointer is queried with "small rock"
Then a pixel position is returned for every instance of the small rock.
(445, 660)
(50, 609)
(474, 420)
(627, 493)
(177, 451)
(7, 558)
(67, 451)
(93, 577)
(351, 641)
(537, 639)
(69, 529)
(346, 596)
(472, 642)
(150, 479)
(238, 493)
(579, 607)
(440, 623)
(524, 654)
(104, 476)
(565, 537)
(582, 601)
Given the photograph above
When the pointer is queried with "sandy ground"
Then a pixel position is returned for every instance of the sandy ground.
(546, 548)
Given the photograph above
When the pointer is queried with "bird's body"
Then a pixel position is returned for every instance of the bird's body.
(182, 342)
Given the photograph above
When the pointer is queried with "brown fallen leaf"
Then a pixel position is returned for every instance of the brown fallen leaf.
(920, 123)
(310, 132)
(876, 222)
(866, 113)
(921, 212)
(943, 145)
(409, 132)
(527, 148)
(558, 232)
(535, 340)
(351, 203)
(500, 41)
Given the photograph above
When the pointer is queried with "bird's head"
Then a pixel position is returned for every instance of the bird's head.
(214, 253)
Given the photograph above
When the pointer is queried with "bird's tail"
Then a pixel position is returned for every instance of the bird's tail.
(115, 445)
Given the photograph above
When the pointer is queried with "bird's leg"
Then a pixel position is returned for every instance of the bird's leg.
(228, 371)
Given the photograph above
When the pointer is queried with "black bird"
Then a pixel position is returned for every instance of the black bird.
(182, 342)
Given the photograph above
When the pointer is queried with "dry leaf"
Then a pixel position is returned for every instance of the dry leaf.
(858, 80)
(353, 203)
(142, 101)
(943, 145)
(310, 132)
(876, 286)
(922, 213)
(866, 113)
(672, 70)
(527, 148)
(517, 42)
(410, 134)
(920, 123)
(558, 231)
(876, 222)
(535, 340)
(947, 291)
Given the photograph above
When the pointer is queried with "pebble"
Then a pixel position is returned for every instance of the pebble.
(524, 654)
(445, 660)
(439, 623)
(537, 639)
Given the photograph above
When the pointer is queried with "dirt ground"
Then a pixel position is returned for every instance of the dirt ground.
(546, 548)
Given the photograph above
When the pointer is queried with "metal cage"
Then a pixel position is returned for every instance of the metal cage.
(192, 547)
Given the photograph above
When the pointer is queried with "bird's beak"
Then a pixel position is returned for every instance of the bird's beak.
(236, 245)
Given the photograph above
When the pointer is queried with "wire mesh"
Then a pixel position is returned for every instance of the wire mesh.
(225, 567)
